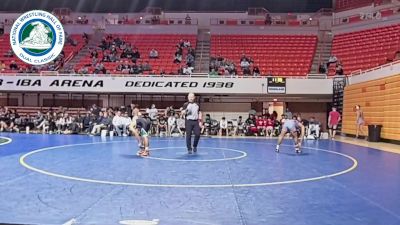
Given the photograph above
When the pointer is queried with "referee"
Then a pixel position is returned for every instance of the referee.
(192, 123)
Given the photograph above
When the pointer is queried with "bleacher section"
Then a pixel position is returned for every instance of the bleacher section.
(5, 47)
(165, 44)
(280, 55)
(366, 49)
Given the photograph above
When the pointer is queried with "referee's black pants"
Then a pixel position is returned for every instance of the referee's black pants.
(192, 126)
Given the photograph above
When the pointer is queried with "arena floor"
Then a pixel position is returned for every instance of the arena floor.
(52, 179)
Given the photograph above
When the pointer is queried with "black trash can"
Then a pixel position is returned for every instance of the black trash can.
(374, 132)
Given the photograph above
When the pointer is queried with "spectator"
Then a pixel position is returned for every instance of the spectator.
(288, 114)
(180, 44)
(162, 125)
(339, 69)
(178, 58)
(189, 60)
(244, 58)
(191, 51)
(256, 71)
(119, 124)
(106, 57)
(245, 65)
(135, 69)
(180, 122)
(268, 20)
(153, 54)
(169, 111)
(95, 110)
(60, 123)
(94, 54)
(251, 127)
(2, 65)
(322, 68)
(333, 121)
(332, 59)
(246, 70)
(260, 125)
(73, 127)
(122, 46)
(103, 123)
(104, 44)
(83, 70)
(13, 65)
(188, 20)
(213, 73)
(85, 122)
(146, 66)
(94, 62)
(152, 112)
(269, 124)
(171, 124)
(313, 127)
(239, 129)
(223, 126)
(100, 69)
(188, 70)
(186, 43)
(206, 125)
(9, 53)
(135, 55)
(178, 55)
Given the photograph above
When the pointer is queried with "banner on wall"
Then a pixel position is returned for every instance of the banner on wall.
(132, 84)
(170, 85)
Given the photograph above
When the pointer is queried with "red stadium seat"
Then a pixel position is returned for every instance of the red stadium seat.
(366, 49)
(278, 54)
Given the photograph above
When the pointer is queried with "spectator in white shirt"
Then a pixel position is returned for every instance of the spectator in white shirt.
(188, 70)
(119, 123)
(153, 54)
(153, 112)
(60, 123)
(186, 43)
(244, 64)
(223, 126)
(171, 124)
(313, 126)
(126, 120)
(332, 59)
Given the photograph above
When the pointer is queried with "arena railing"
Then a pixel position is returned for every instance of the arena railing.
(262, 22)
(150, 21)
(370, 16)
(361, 72)
(194, 76)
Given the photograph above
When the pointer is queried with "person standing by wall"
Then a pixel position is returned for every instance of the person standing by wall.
(360, 122)
(333, 121)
